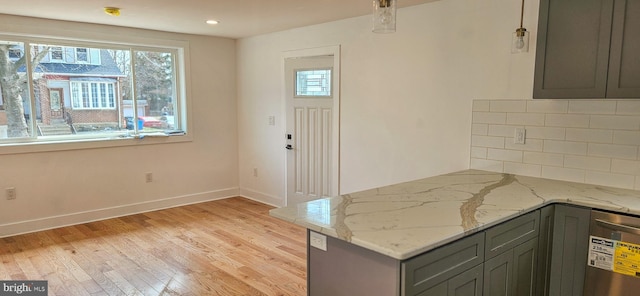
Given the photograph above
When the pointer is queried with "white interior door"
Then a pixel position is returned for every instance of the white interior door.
(312, 107)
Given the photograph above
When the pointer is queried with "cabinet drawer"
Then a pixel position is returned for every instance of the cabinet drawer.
(427, 270)
(509, 234)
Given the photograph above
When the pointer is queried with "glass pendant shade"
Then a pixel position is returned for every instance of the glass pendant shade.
(384, 16)
(520, 41)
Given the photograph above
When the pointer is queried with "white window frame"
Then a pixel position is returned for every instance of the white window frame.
(181, 61)
(87, 59)
(94, 99)
(55, 49)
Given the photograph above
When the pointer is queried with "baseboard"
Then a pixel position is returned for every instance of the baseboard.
(262, 197)
(34, 225)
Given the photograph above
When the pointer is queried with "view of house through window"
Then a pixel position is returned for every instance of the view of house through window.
(85, 91)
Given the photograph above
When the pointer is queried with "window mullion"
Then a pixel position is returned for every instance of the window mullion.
(33, 126)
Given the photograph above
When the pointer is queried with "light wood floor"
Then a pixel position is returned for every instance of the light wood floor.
(225, 247)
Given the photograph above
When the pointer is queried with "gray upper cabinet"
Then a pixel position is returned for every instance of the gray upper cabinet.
(624, 65)
(588, 49)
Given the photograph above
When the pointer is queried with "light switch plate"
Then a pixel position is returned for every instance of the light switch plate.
(318, 241)
(519, 135)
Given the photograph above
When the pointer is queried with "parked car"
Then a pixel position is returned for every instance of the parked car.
(153, 122)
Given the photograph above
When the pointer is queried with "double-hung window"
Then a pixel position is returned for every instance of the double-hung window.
(66, 90)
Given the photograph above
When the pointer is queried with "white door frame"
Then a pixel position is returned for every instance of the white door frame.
(335, 161)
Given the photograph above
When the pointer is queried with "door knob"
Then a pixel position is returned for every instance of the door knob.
(289, 147)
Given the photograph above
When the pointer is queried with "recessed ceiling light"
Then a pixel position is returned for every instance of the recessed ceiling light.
(212, 22)
(113, 11)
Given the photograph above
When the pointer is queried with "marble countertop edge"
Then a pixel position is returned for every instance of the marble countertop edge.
(391, 220)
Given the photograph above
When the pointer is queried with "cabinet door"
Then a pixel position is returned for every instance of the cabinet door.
(545, 242)
(497, 274)
(524, 268)
(513, 272)
(570, 248)
(572, 52)
(468, 283)
(428, 271)
(624, 64)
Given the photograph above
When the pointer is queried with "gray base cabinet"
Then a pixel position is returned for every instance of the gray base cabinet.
(512, 272)
(543, 252)
(570, 250)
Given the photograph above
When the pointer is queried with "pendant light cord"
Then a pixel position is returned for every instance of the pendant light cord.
(521, 13)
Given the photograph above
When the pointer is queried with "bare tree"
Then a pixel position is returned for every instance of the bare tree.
(13, 84)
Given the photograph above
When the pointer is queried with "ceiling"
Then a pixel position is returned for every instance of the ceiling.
(238, 18)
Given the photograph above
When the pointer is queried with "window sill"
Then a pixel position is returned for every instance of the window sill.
(91, 143)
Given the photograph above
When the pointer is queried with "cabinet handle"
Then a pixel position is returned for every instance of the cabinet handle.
(618, 227)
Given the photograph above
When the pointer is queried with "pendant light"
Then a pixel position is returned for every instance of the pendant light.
(384, 16)
(520, 39)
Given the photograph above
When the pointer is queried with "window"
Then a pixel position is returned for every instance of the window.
(56, 54)
(82, 55)
(94, 100)
(313, 83)
(15, 53)
(100, 96)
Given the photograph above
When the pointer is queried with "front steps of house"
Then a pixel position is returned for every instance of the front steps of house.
(56, 128)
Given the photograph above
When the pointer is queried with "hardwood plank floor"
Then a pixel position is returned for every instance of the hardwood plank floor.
(224, 247)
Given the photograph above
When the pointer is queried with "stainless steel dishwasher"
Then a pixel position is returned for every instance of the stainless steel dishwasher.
(613, 265)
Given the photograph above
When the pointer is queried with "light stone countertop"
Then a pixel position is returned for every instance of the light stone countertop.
(408, 219)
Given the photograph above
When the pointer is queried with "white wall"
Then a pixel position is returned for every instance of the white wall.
(65, 187)
(406, 97)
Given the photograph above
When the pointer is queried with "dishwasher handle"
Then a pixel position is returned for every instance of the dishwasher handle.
(618, 227)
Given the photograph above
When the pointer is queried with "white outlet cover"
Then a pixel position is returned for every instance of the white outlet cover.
(318, 241)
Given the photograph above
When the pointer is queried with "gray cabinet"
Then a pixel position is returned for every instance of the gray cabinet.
(443, 271)
(512, 254)
(624, 64)
(545, 241)
(569, 250)
(588, 49)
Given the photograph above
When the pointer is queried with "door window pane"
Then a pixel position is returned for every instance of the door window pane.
(313, 83)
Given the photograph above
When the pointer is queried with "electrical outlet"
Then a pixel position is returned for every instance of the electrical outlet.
(255, 172)
(11, 193)
(272, 120)
(318, 241)
(148, 177)
(519, 135)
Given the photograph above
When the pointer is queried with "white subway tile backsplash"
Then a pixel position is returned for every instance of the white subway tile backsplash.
(546, 133)
(564, 174)
(548, 106)
(548, 159)
(565, 147)
(481, 105)
(592, 141)
(567, 120)
(505, 155)
(587, 163)
(508, 106)
(626, 137)
(529, 145)
(490, 118)
(507, 131)
(479, 152)
(592, 107)
(618, 122)
(486, 141)
(609, 179)
(631, 107)
(622, 166)
(613, 151)
(479, 129)
(524, 169)
(525, 119)
(589, 135)
(487, 165)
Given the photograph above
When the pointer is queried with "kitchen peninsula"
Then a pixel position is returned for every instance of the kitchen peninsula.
(394, 225)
